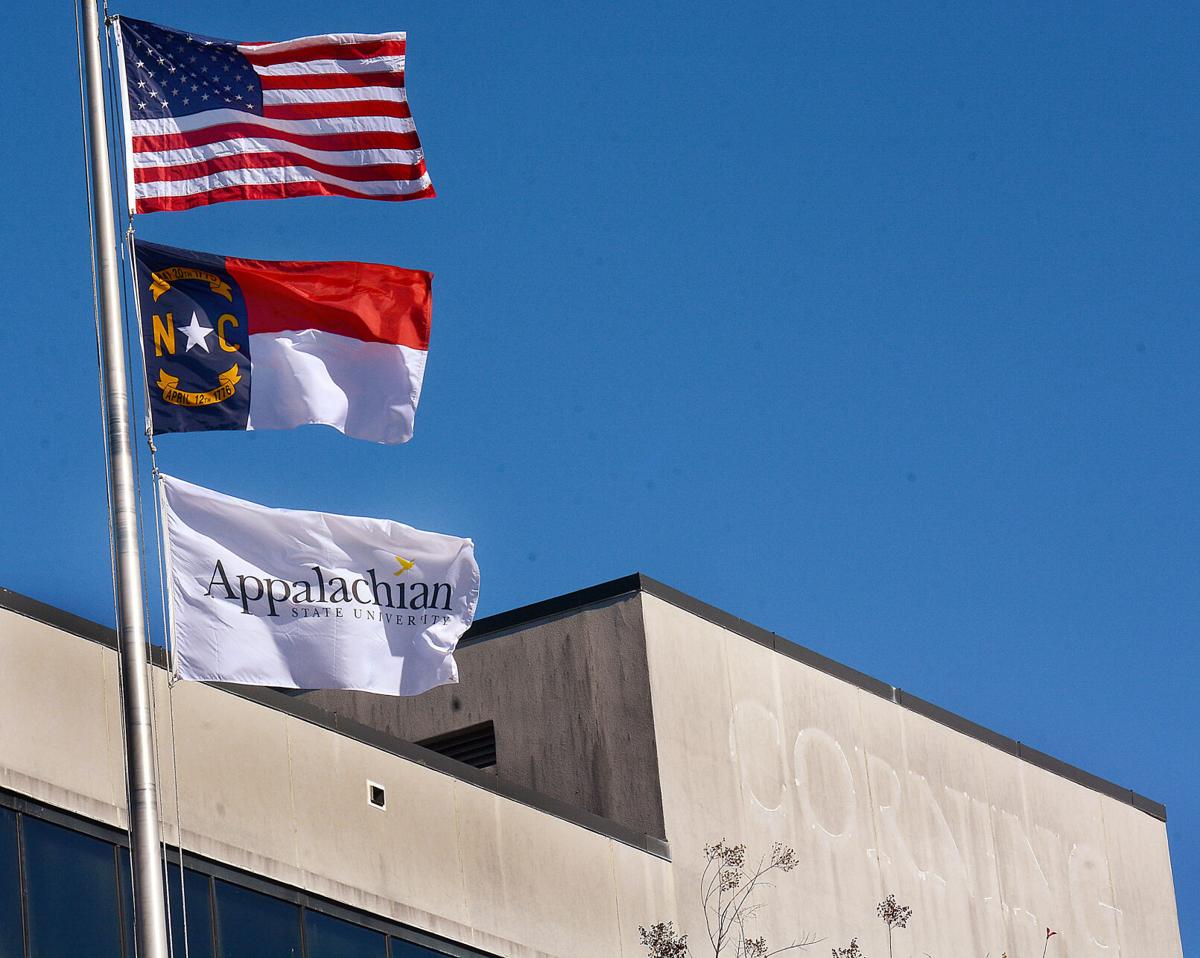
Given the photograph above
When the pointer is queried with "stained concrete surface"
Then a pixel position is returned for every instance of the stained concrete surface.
(570, 699)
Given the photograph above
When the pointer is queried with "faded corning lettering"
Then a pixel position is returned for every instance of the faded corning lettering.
(1008, 871)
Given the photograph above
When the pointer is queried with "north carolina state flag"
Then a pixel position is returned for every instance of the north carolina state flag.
(255, 344)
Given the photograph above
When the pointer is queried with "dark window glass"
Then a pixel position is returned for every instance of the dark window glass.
(326, 937)
(199, 909)
(11, 940)
(406, 949)
(199, 913)
(126, 901)
(71, 881)
(253, 925)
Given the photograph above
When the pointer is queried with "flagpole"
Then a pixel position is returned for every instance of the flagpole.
(150, 926)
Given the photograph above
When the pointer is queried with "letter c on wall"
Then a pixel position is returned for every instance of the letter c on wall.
(755, 746)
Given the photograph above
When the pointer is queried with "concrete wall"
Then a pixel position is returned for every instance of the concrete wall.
(745, 743)
(570, 699)
(987, 849)
(264, 791)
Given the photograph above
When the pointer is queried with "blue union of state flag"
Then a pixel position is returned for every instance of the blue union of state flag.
(195, 338)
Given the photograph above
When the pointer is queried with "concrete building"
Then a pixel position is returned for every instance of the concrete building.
(561, 798)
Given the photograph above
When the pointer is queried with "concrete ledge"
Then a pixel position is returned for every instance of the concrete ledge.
(957, 722)
(494, 626)
(285, 700)
(489, 626)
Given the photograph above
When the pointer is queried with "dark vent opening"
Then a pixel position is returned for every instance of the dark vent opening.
(474, 745)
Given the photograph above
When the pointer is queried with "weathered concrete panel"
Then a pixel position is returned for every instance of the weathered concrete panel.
(55, 688)
(643, 888)
(235, 782)
(988, 849)
(570, 699)
(406, 853)
(561, 900)
(1142, 887)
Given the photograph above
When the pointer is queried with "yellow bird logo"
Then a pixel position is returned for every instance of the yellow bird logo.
(405, 565)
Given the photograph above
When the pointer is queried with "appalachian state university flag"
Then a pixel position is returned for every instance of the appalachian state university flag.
(255, 344)
(311, 600)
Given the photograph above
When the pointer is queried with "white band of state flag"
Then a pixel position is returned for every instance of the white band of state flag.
(311, 600)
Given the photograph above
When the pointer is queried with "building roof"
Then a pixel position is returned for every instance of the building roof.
(495, 626)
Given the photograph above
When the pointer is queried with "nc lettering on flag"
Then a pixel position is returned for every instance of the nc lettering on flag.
(209, 120)
(255, 344)
(311, 600)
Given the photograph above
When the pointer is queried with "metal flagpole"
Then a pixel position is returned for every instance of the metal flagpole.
(150, 929)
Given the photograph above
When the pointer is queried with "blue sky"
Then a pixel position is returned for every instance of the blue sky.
(874, 325)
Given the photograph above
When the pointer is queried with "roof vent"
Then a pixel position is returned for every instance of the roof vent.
(474, 745)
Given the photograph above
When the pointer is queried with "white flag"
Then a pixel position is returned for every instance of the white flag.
(310, 600)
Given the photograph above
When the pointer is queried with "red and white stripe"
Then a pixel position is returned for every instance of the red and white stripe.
(366, 390)
(338, 344)
(335, 122)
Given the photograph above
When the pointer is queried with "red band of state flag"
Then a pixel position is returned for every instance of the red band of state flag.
(235, 343)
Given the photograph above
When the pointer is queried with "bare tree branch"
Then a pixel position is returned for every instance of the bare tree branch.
(728, 889)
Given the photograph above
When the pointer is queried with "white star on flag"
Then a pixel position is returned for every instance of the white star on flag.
(197, 334)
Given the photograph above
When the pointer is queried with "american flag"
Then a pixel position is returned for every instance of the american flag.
(210, 120)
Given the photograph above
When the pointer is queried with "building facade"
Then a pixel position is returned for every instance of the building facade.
(555, 800)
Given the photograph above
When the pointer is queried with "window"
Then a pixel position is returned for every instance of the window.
(326, 937)
(199, 909)
(406, 949)
(253, 925)
(195, 897)
(65, 890)
(126, 888)
(196, 902)
(12, 941)
(71, 883)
